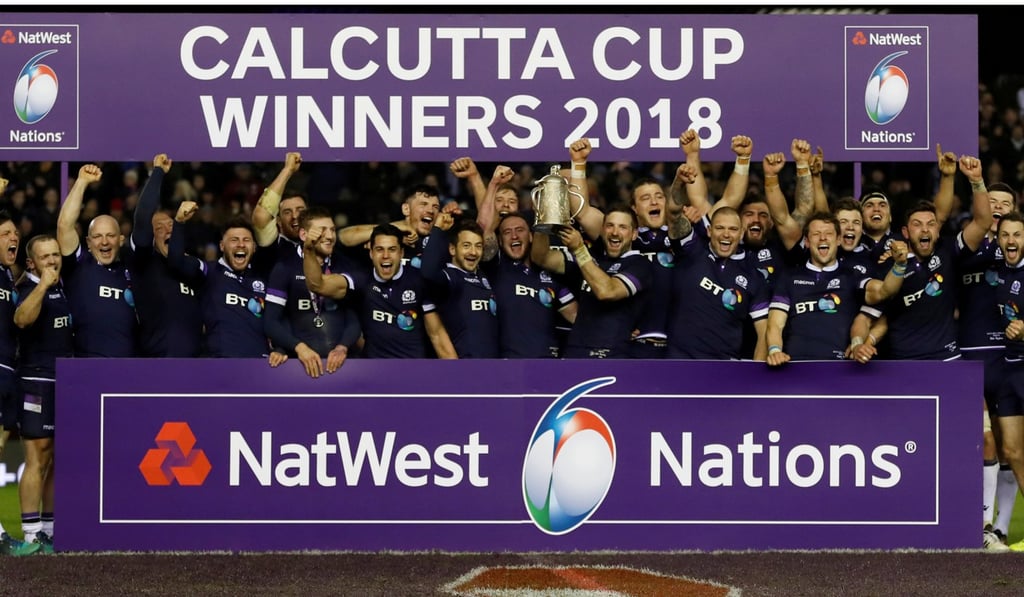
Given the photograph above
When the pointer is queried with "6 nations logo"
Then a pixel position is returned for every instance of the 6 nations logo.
(569, 463)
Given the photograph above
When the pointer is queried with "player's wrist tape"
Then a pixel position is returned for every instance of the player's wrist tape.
(898, 270)
(774, 348)
(978, 186)
(856, 341)
(582, 256)
(271, 201)
(802, 169)
(771, 181)
(874, 340)
(579, 170)
(742, 165)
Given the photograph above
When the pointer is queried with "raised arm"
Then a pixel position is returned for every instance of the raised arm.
(679, 225)
(803, 200)
(67, 236)
(981, 209)
(487, 211)
(542, 255)
(435, 250)
(789, 229)
(736, 186)
(149, 202)
(176, 257)
(696, 191)
(264, 216)
(947, 163)
(604, 287)
(333, 286)
(466, 169)
(817, 166)
(590, 218)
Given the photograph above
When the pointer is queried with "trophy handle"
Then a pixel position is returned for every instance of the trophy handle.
(583, 201)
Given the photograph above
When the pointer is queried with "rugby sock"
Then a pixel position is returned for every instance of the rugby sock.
(991, 479)
(30, 525)
(1006, 495)
(47, 520)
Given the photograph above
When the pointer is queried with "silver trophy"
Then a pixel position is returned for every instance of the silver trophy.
(551, 202)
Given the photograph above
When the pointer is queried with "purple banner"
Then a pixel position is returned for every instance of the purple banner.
(429, 87)
(517, 455)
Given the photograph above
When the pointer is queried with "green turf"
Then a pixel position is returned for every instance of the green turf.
(10, 515)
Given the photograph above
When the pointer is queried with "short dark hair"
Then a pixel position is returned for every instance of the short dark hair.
(35, 240)
(874, 193)
(626, 209)
(751, 198)
(643, 182)
(920, 205)
(514, 214)
(822, 216)
(846, 203)
(426, 189)
(386, 230)
(5, 216)
(464, 225)
(314, 212)
(237, 222)
(1005, 188)
(1013, 216)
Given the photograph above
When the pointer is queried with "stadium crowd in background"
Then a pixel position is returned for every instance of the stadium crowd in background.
(323, 262)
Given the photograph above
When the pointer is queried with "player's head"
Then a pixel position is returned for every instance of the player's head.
(289, 215)
(514, 236)
(467, 245)
(104, 239)
(725, 232)
(1011, 237)
(648, 202)
(236, 244)
(386, 250)
(757, 221)
(1003, 200)
(851, 222)
(421, 207)
(821, 235)
(877, 213)
(506, 199)
(922, 228)
(163, 225)
(320, 218)
(619, 230)
(42, 251)
(10, 239)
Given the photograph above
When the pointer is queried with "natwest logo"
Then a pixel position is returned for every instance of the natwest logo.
(174, 458)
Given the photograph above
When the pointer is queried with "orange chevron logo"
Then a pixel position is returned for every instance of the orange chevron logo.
(174, 458)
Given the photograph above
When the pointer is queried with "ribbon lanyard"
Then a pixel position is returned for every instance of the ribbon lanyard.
(318, 302)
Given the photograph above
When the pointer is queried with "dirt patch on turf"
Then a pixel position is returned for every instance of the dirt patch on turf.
(503, 581)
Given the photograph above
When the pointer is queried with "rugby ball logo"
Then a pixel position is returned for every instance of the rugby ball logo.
(887, 90)
(569, 463)
(35, 92)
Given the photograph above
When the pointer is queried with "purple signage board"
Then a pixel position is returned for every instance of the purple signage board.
(517, 455)
(522, 87)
